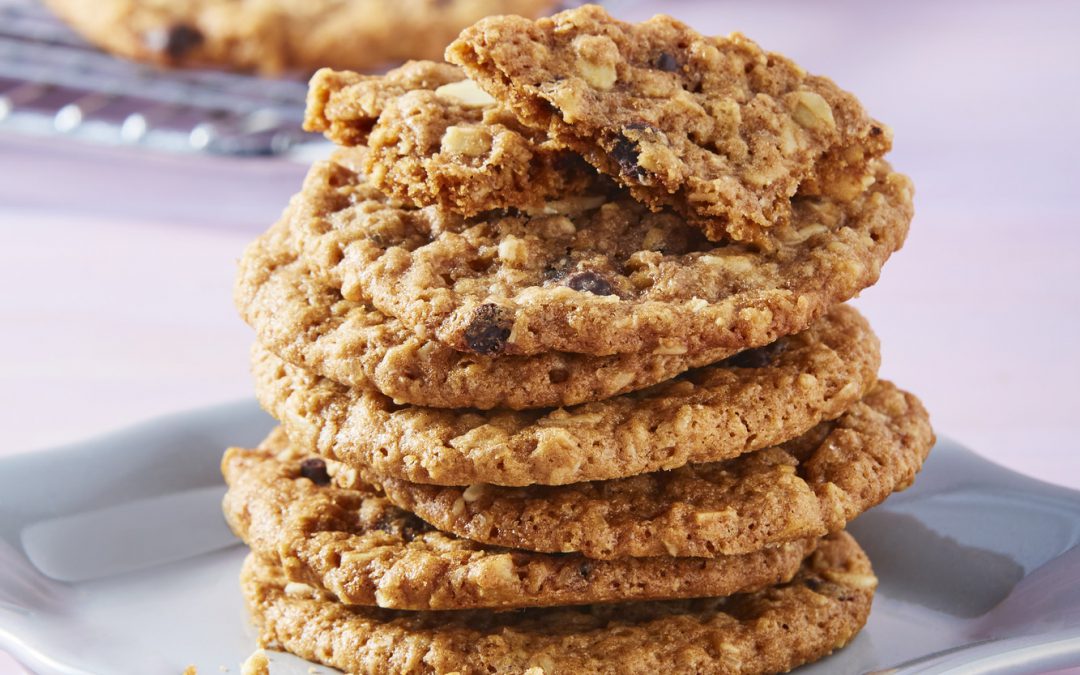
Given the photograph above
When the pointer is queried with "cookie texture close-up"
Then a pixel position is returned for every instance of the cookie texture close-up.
(362, 550)
(279, 36)
(750, 401)
(769, 631)
(599, 276)
(807, 487)
(716, 128)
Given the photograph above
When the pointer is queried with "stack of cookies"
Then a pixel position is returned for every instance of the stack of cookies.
(565, 381)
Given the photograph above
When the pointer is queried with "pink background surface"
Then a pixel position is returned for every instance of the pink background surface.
(116, 266)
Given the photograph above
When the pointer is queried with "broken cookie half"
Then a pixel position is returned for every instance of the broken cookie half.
(433, 137)
(715, 128)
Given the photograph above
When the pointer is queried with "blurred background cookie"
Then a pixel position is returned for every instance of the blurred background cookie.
(277, 36)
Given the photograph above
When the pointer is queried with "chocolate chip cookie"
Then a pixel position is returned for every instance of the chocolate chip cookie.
(362, 550)
(769, 631)
(807, 487)
(753, 400)
(596, 274)
(276, 36)
(718, 129)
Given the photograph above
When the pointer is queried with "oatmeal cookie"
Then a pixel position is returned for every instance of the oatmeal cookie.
(362, 550)
(309, 324)
(772, 630)
(433, 137)
(596, 274)
(753, 400)
(806, 487)
(716, 128)
(276, 36)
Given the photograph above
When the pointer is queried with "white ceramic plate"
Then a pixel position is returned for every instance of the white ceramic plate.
(114, 558)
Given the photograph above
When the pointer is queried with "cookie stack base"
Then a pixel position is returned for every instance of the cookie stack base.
(363, 550)
(772, 630)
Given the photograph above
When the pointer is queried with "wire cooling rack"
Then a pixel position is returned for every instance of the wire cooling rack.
(53, 83)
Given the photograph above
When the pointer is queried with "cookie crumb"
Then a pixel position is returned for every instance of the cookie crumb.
(256, 664)
(191, 670)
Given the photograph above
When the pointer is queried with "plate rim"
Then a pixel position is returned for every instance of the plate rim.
(998, 656)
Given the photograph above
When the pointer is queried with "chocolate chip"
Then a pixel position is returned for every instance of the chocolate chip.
(406, 528)
(174, 41)
(585, 570)
(314, 469)
(875, 131)
(757, 358)
(626, 149)
(590, 282)
(558, 376)
(625, 153)
(488, 330)
(667, 62)
(830, 589)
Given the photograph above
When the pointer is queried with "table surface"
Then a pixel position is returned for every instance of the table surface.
(117, 265)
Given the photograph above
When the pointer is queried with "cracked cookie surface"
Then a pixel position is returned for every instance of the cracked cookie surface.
(354, 544)
(433, 138)
(716, 128)
(819, 611)
(754, 400)
(806, 487)
(597, 275)
(276, 36)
